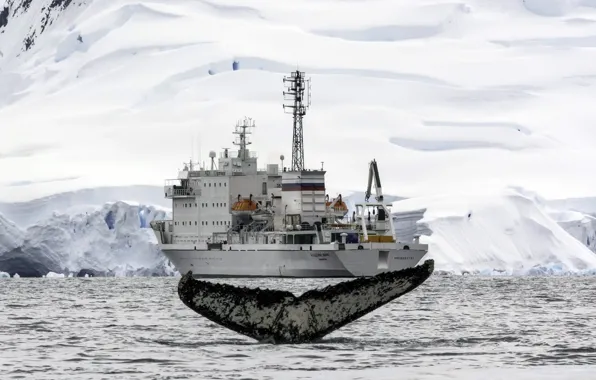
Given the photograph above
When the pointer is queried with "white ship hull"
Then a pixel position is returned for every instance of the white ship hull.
(284, 262)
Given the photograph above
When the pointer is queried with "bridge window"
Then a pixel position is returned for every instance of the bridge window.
(196, 205)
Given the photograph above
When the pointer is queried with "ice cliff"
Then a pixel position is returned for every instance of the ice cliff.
(113, 240)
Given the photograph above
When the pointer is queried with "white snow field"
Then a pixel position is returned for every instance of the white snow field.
(509, 231)
(462, 104)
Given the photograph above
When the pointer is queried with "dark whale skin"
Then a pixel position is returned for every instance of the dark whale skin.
(279, 317)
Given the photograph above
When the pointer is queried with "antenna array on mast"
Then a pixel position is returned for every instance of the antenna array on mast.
(299, 102)
(243, 132)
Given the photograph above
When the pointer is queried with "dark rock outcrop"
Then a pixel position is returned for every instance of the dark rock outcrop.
(49, 11)
(275, 316)
(3, 17)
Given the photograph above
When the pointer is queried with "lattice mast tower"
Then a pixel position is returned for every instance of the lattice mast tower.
(297, 94)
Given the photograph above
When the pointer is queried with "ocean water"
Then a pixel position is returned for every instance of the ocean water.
(451, 327)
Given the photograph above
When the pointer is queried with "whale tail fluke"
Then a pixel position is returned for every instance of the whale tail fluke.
(281, 317)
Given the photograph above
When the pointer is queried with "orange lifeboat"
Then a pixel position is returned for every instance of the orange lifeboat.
(244, 205)
(337, 207)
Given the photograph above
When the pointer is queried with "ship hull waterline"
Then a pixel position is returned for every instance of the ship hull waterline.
(291, 263)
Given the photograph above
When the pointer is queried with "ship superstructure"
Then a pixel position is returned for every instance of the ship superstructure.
(232, 219)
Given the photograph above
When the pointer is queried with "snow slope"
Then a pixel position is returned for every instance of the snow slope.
(450, 97)
(442, 94)
(511, 231)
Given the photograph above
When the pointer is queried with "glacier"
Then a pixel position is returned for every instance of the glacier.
(109, 240)
(508, 232)
(102, 100)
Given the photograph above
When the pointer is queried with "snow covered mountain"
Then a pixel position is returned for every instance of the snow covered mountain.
(471, 97)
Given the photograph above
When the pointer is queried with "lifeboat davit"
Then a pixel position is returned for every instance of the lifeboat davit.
(262, 215)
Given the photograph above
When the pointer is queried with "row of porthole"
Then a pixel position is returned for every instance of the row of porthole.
(214, 185)
(204, 204)
(187, 205)
(214, 204)
(205, 223)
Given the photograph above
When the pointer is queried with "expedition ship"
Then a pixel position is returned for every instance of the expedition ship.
(234, 220)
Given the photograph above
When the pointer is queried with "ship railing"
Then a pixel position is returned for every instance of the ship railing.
(350, 226)
(176, 191)
(212, 173)
(327, 226)
(255, 228)
(219, 237)
(229, 154)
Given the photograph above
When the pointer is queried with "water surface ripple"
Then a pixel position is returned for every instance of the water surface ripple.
(450, 327)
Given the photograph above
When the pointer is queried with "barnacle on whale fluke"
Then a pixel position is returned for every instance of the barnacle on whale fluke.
(276, 316)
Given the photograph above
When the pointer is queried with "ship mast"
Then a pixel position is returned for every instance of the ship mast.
(242, 139)
(299, 102)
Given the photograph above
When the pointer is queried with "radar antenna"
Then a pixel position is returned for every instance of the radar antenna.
(296, 84)
(242, 139)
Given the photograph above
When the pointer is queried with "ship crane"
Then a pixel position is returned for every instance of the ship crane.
(382, 219)
(373, 174)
